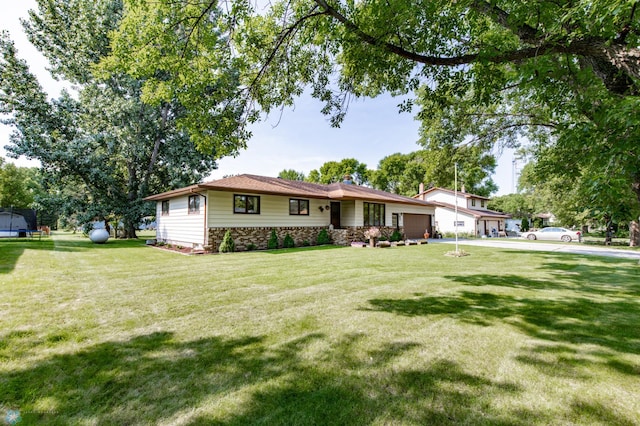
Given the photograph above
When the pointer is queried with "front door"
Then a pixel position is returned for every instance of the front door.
(335, 215)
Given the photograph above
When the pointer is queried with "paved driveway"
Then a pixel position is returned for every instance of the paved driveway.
(521, 244)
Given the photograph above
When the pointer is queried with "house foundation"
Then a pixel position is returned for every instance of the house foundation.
(244, 237)
(345, 236)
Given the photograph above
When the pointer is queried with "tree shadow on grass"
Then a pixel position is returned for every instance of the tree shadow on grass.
(136, 381)
(440, 394)
(11, 251)
(153, 378)
(354, 389)
(608, 323)
(598, 281)
(583, 320)
(80, 243)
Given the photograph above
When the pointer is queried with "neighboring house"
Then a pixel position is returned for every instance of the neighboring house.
(546, 219)
(473, 217)
(251, 206)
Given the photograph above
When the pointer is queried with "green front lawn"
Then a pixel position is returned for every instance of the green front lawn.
(126, 334)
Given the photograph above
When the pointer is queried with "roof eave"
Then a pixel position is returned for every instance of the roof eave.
(264, 192)
(175, 193)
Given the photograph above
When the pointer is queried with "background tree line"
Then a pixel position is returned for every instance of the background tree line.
(403, 173)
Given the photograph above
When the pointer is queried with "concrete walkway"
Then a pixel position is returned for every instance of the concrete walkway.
(522, 244)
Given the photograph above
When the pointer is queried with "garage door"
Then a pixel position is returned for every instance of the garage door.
(415, 225)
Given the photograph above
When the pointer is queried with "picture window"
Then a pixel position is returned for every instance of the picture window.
(246, 204)
(298, 207)
(374, 214)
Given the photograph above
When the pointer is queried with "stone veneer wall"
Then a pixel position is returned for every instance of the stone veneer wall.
(345, 236)
(260, 235)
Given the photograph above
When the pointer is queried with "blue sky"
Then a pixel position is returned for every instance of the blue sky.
(299, 138)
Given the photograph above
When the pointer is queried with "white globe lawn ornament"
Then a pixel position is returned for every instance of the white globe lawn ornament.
(99, 236)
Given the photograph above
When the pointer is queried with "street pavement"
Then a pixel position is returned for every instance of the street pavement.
(522, 244)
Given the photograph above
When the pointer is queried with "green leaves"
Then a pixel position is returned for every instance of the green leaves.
(181, 52)
(18, 185)
(73, 35)
(334, 171)
(291, 174)
(102, 141)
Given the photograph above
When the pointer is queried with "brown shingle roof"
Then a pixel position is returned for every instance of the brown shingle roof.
(276, 186)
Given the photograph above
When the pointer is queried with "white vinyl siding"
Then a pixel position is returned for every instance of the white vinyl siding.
(446, 221)
(463, 201)
(274, 211)
(480, 204)
(445, 197)
(179, 227)
(351, 213)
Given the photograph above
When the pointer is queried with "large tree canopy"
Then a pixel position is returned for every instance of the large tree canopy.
(364, 48)
(563, 74)
(101, 140)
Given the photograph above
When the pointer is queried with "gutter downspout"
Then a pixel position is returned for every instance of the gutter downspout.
(206, 219)
(206, 223)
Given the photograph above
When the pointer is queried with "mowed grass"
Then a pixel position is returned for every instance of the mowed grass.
(126, 334)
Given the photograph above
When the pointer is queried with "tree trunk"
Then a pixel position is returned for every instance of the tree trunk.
(634, 233)
(634, 225)
(129, 224)
(128, 230)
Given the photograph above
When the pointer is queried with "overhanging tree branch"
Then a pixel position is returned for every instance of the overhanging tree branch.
(284, 36)
(622, 57)
(525, 32)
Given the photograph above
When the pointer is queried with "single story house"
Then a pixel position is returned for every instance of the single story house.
(473, 217)
(251, 206)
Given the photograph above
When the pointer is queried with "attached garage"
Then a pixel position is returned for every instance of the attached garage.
(416, 224)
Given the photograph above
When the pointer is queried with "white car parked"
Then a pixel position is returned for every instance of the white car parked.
(553, 233)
